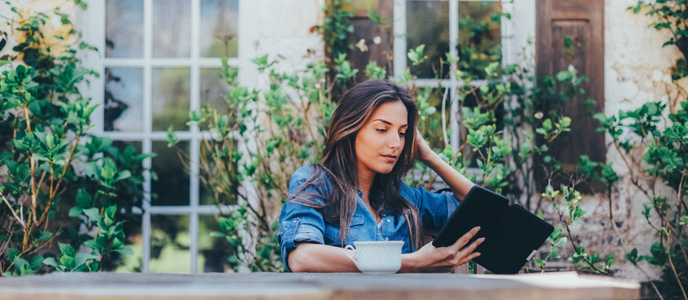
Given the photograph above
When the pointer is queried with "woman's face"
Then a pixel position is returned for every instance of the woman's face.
(380, 142)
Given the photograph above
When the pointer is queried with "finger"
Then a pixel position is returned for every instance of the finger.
(470, 248)
(467, 259)
(464, 239)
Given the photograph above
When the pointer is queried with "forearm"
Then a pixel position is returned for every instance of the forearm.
(317, 258)
(459, 184)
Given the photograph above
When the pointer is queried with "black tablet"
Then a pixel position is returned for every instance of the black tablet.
(512, 234)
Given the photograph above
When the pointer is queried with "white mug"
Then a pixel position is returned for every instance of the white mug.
(379, 257)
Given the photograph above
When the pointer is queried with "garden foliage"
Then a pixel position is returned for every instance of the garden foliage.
(59, 182)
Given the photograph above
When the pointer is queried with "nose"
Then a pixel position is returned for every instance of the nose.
(394, 142)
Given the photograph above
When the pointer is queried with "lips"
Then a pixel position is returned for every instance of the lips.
(390, 158)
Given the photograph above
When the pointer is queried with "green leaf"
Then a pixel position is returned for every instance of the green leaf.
(12, 254)
(50, 261)
(45, 235)
(66, 249)
(83, 199)
(125, 251)
(93, 214)
(75, 211)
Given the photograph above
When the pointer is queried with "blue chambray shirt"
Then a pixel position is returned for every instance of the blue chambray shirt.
(299, 223)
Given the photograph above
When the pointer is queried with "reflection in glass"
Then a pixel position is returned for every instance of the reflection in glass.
(219, 28)
(123, 101)
(427, 22)
(124, 28)
(131, 263)
(169, 247)
(171, 90)
(212, 251)
(129, 194)
(360, 7)
(480, 36)
(213, 90)
(123, 145)
(171, 28)
(224, 195)
(172, 186)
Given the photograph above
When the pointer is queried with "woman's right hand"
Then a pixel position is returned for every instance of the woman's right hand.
(444, 259)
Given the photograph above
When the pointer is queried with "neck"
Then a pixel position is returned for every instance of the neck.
(365, 180)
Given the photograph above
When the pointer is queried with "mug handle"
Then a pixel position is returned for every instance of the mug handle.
(351, 256)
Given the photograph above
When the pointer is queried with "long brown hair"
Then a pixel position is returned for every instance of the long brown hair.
(339, 162)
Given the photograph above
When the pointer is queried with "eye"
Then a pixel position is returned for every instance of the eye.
(402, 133)
(381, 130)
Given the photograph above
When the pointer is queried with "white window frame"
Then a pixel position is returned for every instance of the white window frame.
(94, 33)
(400, 50)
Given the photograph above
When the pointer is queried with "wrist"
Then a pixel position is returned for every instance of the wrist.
(409, 263)
(431, 159)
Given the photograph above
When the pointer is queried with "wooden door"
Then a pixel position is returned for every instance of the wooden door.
(583, 21)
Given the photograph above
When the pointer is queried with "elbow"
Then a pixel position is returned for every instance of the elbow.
(297, 260)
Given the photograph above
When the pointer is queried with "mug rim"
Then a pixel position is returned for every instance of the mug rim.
(378, 243)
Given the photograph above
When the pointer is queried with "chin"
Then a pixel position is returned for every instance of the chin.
(385, 169)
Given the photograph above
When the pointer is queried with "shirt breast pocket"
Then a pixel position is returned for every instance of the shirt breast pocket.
(356, 231)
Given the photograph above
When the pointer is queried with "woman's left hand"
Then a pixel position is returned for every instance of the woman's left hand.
(423, 151)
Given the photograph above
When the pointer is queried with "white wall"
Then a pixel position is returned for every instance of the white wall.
(280, 29)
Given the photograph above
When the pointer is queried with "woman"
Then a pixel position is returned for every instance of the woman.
(357, 192)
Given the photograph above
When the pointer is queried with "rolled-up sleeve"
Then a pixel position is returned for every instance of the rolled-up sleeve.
(434, 208)
(300, 223)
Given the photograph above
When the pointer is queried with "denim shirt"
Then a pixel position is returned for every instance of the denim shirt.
(299, 223)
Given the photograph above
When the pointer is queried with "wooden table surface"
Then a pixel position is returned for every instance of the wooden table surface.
(283, 286)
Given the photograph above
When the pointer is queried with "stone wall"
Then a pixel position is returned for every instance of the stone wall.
(637, 70)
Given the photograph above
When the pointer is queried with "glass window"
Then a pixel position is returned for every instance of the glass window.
(153, 75)
(123, 100)
(124, 28)
(171, 28)
(170, 242)
(219, 28)
(427, 24)
(480, 36)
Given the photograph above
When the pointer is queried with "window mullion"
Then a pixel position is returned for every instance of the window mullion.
(454, 117)
(399, 26)
(147, 144)
(194, 151)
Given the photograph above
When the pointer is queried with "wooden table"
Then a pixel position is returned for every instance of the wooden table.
(78, 286)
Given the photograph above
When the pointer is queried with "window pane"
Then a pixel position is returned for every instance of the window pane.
(123, 145)
(172, 186)
(124, 28)
(360, 7)
(123, 109)
(170, 241)
(213, 251)
(219, 28)
(480, 36)
(171, 28)
(219, 180)
(171, 90)
(427, 22)
(131, 263)
(213, 90)
(131, 193)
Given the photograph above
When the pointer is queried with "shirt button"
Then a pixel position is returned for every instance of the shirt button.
(388, 220)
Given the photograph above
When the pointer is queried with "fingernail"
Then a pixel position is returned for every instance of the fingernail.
(478, 253)
(476, 228)
(482, 239)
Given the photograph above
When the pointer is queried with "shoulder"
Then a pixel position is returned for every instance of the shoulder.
(408, 192)
(303, 174)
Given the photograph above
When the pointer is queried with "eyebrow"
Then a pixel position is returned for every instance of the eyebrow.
(388, 123)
